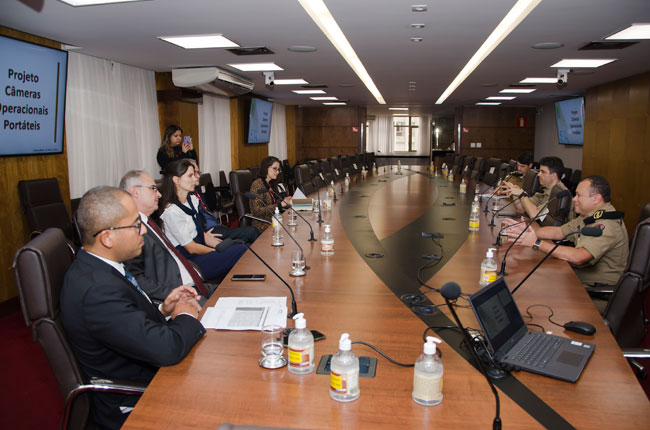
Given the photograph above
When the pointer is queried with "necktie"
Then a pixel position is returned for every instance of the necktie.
(129, 277)
(188, 266)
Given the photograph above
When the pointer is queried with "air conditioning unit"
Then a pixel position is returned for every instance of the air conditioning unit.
(212, 80)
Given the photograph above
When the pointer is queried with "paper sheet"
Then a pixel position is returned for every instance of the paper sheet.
(246, 313)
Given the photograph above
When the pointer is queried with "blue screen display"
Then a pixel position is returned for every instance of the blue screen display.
(259, 121)
(32, 98)
(570, 116)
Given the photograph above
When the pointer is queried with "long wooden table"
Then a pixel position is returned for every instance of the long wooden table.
(220, 380)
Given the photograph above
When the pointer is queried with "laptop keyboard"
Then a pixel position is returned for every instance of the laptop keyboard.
(538, 350)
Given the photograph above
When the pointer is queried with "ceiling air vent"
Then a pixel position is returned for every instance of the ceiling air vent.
(253, 50)
(595, 46)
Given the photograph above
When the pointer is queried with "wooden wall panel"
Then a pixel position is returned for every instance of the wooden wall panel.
(323, 132)
(14, 232)
(617, 142)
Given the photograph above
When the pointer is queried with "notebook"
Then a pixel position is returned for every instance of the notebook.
(514, 345)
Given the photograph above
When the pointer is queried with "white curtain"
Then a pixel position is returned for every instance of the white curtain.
(380, 135)
(111, 122)
(214, 136)
(278, 142)
(425, 135)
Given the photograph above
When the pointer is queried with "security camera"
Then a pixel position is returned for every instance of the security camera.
(269, 78)
(562, 77)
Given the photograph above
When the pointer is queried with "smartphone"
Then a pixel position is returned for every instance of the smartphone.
(248, 277)
(317, 336)
(187, 140)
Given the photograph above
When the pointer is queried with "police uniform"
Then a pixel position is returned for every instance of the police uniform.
(610, 251)
(515, 179)
(554, 216)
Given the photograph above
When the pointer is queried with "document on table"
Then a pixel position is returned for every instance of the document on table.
(246, 313)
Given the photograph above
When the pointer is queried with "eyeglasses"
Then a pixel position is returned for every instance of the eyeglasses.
(197, 173)
(277, 169)
(151, 187)
(137, 225)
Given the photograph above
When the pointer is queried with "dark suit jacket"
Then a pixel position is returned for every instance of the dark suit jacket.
(116, 333)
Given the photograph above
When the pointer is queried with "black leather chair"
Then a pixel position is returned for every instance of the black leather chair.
(39, 268)
(240, 182)
(304, 179)
(492, 168)
(467, 167)
(43, 206)
(504, 170)
(645, 213)
(287, 173)
(558, 210)
(337, 167)
(346, 162)
(457, 167)
(565, 177)
(479, 169)
(576, 177)
(358, 161)
(530, 182)
(326, 170)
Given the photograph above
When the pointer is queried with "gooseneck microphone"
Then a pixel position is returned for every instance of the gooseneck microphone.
(587, 231)
(496, 188)
(255, 218)
(252, 196)
(451, 291)
(524, 194)
(277, 196)
(294, 308)
(320, 206)
(559, 195)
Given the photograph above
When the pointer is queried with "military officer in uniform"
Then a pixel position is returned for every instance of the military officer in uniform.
(524, 164)
(596, 260)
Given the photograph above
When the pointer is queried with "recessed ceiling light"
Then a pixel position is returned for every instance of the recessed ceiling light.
(324, 98)
(519, 11)
(583, 62)
(76, 3)
(412, 82)
(256, 67)
(321, 15)
(334, 103)
(200, 41)
(411, 89)
(517, 90)
(547, 45)
(633, 32)
(488, 104)
(398, 108)
(417, 26)
(416, 39)
(419, 8)
(290, 82)
(501, 98)
(400, 114)
(301, 48)
(308, 91)
(539, 81)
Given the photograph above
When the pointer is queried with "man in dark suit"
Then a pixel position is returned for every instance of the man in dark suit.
(160, 267)
(113, 328)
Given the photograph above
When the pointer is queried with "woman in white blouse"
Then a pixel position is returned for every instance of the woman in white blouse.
(184, 225)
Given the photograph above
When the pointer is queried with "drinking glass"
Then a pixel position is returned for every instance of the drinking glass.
(272, 347)
(297, 264)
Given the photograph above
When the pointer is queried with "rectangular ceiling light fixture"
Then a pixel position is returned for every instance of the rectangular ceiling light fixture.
(398, 108)
(539, 81)
(309, 91)
(633, 32)
(400, 114)
(317, 10)
(290, 82)
(334, 103)
(517, 14)
(324, 98)
(488, 104)
(200, 41)
(582, 63)
(500, 98)
(257, 67)
(76, 3)
(517, 91)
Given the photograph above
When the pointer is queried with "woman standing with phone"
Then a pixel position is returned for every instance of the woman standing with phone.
(174, 147)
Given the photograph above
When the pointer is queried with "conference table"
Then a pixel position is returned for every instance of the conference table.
(377, 223)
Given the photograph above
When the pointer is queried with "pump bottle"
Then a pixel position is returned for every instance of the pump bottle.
(474, 215)
(344, 373)
(427, 375)
(301, 347)
(278, 237)
(488, 268)
(347, 179)
(463, 186)
(327, 242)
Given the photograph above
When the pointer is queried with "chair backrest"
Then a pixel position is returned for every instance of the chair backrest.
(558, 210)
(240, 182)
(326, 169)
(565, 176)
(504, 169)
(457, 168)
(625, 310)
(39, 268)
(359, 161)
(530, 182)
(468, 166)
(346, 162)
(43, 205)
(303, 179)
(209, 192)
(645, 213)
(479, 169)
(337, 166)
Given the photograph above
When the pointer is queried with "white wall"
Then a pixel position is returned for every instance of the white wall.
(546, 142)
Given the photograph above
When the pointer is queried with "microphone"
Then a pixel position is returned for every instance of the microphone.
(451, 291)
(524, 194)
(277, 196)
(254, 197)
(587, 231)
(320, 206)
(294, 308)
(255, 218)
(490, 198)
(559, 195)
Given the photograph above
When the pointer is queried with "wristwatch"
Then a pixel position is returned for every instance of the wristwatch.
(536, 245)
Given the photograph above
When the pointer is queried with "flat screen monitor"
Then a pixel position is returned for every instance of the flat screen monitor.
(570, 117)
(32, 98)
(259, 121)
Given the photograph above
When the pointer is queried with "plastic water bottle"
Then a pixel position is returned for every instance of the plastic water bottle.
(488, 268)
(327, 242)
(445, 171)
(474, 215)
(431, 167)
(463, 186)
(374, 168)
(344, 373)
(399, 166)
(278, 237)
(301, 347)
(427, 375)
(347, 179)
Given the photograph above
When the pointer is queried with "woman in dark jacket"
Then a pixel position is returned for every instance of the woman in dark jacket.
(267, 180)
(172, 147)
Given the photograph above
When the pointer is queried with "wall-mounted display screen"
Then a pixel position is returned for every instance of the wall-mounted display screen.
(259, 121)
(32, 98)
(570, 117)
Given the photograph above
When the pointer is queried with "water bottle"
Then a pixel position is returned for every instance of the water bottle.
(278, 237)
(474, 215)
(344, 373)
(327, 242)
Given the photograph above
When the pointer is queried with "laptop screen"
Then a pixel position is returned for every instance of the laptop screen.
(498, 315)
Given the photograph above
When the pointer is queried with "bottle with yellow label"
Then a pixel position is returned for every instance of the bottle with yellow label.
(427, 375)
(488, 268)
(474, 215)
(301, 347)
(344, 372)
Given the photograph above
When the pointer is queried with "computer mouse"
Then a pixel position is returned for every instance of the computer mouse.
(580, 327)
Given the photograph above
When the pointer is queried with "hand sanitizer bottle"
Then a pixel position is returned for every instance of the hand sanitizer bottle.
(344, 373)
(427, 375)
(488, 268)
(327, 242)
(301, 347)
(347, 179)
(474, 215)
(463, 186)
(278, 237)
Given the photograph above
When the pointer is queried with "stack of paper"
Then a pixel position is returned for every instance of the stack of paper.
(246, 313)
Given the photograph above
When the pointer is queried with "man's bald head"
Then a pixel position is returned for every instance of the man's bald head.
(100, 208)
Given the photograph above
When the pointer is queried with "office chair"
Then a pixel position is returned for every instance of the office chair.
(479, 169)
(576, 176)
(304, 179)
(326, 170)
(645, 213)
(43, 206)
(530, 182)
(504, 170)
(240, 183)
(565, 177)
(39, 268)
(558, 210)
(337, 168)
(467, 167)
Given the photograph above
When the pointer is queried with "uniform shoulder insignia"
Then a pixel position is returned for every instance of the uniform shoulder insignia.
(602, 215)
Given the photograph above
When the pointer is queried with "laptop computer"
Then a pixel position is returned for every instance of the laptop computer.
(514, 345)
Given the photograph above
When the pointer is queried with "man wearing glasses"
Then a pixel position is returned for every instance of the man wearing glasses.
(114, 329)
